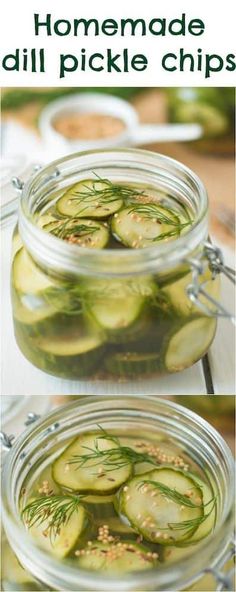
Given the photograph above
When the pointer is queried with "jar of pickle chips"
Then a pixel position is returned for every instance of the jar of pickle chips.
(113, 275)
(127, 495)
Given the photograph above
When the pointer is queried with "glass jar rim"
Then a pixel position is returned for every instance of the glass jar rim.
(64, 255)
(150, 406)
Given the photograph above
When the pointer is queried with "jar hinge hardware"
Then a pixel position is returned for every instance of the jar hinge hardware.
(31, 418)
(196, 289)
(18, 184)
(6, 441)
(224, 580)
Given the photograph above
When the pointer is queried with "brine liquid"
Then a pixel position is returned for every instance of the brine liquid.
(106, 326)
(103, 508)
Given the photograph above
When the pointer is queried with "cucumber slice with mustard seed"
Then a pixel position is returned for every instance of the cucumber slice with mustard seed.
(89, 198)
(59, 541)
(132, 363)
(189, 343)
(85, 233)
(139, 226)
(166, 513)
(94, 474)
(116, 557)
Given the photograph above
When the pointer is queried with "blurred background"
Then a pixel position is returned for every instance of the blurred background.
(219, 410)
(211, 155)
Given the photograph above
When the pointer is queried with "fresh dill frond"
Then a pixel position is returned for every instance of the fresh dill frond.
(113, 458)
(172, 494)
(191, 523)
(152, 211)
(53, 510)
(72, 227)
(182, 500)
(105, 192)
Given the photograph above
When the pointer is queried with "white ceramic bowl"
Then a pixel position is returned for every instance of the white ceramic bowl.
(133, 134)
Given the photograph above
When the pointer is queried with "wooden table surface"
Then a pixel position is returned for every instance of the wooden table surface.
(216, 172)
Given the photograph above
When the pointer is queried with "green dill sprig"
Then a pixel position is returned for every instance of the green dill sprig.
(182, 500)
(172, 494)
(105, 192)
(193, 523)
(71, 227)
(53, 510)
(152, 211)
(113, 458)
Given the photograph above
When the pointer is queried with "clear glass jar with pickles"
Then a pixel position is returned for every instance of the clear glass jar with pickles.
(103, 259)
(130, 494)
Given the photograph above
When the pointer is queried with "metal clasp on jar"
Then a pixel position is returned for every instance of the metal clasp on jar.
(224, 579)
(214, 257)
(7, 441)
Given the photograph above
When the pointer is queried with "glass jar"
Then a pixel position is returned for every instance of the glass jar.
(55, 291)
(213, 109)
(149, 414)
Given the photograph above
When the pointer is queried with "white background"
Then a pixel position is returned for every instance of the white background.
(17, 25)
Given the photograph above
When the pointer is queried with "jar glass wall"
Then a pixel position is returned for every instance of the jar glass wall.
(104, 313)
(150, 415)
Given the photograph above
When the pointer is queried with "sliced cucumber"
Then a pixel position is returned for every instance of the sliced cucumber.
(13, 572)
(27, 277)
(116, 558)
(30, 309)
(189, 343)
(209, 502)
(139, 286)
(85, 233)
(117, 304)
(47, 219)
(118, 527)
(91, 476)
(178, 296)
(99, 499)
(74, 345)
(137, 230)
(44, 484)
(79, 364)
(89, 198)
(155, 515)
(112, 314)
(132, 363)
(60, 544)
(69, 345)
